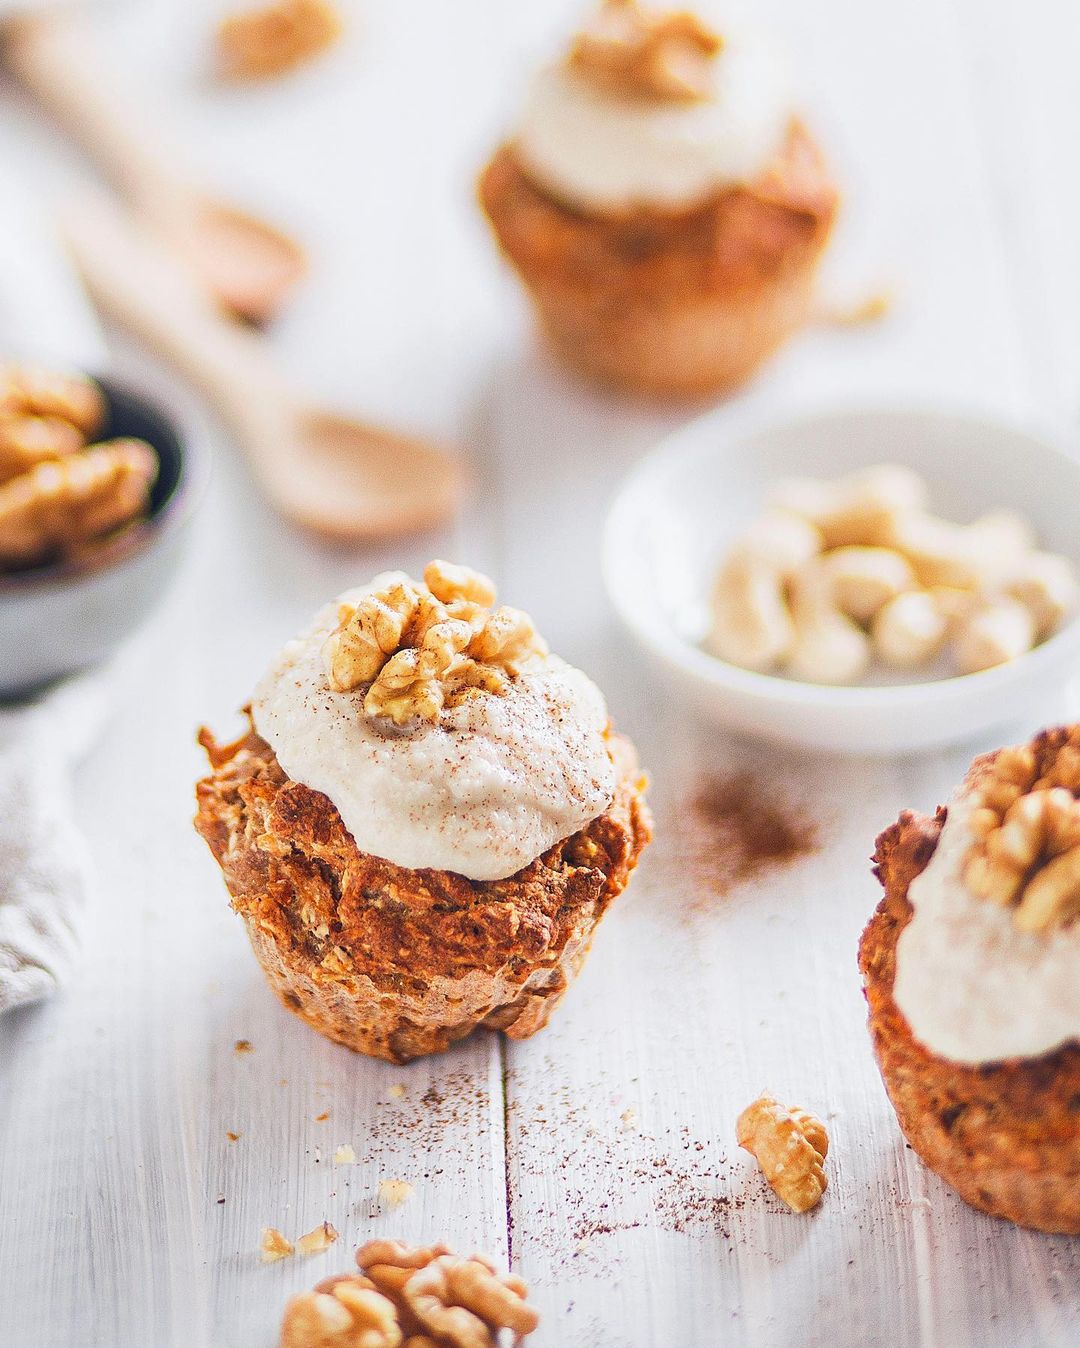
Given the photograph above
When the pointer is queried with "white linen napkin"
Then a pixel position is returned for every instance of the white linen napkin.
(44, 866)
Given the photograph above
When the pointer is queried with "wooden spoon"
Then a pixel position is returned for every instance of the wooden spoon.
(247, 264)
(342, 478)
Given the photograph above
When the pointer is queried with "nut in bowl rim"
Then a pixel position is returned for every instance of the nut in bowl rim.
(726, 444)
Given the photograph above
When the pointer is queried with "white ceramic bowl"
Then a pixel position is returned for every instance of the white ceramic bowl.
(677, 513)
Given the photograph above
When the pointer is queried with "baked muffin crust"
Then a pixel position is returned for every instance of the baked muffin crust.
(396, 962)
(1005, 1135)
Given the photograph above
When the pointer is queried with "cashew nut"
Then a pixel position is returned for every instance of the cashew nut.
(909, 630)
(855, 510)
(996, 631)
(863, 579)
(779, 540)
(1048, 587)
(827, 647)
(751, 623)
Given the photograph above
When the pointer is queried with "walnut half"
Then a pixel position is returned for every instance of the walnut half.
(790, 1146)
(1026, 821)
(61, 504)
(413, 1298)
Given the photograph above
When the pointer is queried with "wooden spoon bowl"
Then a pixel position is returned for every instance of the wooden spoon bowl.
(343, 478)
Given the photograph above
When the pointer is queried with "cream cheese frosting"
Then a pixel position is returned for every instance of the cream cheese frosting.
(972, 986)
(603, 151)
(483, 792)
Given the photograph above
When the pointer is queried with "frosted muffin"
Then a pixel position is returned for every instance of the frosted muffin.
(971, 965)
(426, 819)
(662, 203)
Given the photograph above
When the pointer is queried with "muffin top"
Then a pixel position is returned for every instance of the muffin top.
(652, 108)
(988, 968)
(440, 727)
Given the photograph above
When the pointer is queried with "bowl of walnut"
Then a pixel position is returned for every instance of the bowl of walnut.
(94, 491)
(870, 580)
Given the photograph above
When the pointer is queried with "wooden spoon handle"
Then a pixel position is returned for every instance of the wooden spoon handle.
(54, 56)
(132, 278)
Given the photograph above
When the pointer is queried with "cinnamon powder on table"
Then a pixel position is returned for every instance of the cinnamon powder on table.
(735, 829)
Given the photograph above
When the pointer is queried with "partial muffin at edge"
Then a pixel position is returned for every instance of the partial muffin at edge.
(398, 963)
(1005, 1135)
(681, 302)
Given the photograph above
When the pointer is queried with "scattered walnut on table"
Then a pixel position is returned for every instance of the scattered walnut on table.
(271, 40)
(664, 55)
(409, 1297)
(1026, 822)
(349, 1314)
(60, 505)
(790, 1146)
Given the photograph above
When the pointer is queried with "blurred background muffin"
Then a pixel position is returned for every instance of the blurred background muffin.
(662, 202)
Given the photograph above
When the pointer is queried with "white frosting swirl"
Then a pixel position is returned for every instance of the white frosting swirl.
(972, 986)
(600, 151)
(499, 780)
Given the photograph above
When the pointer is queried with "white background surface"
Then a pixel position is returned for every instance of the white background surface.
(952, 124)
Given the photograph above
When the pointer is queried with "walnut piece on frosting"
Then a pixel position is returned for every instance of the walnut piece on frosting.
(1026, 822)
(664, 55)
(412, 1298)
(790, 1146)
(421, 647)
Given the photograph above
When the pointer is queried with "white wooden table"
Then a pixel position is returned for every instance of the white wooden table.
(127, 1217)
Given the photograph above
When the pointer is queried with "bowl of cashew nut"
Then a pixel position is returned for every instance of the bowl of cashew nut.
(873, 580)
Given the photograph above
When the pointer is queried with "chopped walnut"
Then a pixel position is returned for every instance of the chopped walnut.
(349, 1313)
(449, 582)
(318, 1240)
(462, 1303)
(394, 1192)
(643, 53)
(507, 640)
(404, 692)
(274, 1246)
(1026, 821)
(62, 504)
(420, 648)
(28, 440)
(368, 633)
(466, 1303)
(790, 1146)
(31, 391)
(261, 43)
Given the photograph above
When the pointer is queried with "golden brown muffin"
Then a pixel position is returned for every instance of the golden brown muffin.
(1005, 1135)
(395, 962)
(670, 303)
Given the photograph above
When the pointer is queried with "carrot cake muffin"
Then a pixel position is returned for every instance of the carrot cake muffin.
(426, 818)
(662, 203)
(971, 966)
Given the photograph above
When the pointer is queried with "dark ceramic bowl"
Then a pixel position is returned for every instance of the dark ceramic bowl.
(63, 617)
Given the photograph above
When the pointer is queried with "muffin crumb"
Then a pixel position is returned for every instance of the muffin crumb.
(273, 1245)
(314, 1242)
